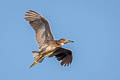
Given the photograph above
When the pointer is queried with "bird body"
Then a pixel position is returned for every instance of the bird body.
(47, 45)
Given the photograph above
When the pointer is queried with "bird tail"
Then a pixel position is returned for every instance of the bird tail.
(38, 60)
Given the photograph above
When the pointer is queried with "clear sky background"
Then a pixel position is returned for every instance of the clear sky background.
(94, 25)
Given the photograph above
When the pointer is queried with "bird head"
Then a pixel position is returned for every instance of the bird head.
(63, 40)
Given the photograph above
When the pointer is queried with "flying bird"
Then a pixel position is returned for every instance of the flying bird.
(48, 46)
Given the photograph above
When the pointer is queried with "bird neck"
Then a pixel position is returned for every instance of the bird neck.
(59, 43)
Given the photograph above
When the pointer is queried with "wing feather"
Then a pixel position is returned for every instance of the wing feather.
(41, 27)
(63, 55)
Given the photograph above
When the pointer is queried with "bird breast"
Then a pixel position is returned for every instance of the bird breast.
(49, 48)
(53, 46)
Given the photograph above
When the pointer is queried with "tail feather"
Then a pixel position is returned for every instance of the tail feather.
(36, 55)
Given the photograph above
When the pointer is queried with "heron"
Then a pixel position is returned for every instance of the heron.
(48, 46)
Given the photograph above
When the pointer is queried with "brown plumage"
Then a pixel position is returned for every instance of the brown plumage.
(47, 45)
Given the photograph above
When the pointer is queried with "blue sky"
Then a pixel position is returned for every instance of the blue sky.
(94, 25)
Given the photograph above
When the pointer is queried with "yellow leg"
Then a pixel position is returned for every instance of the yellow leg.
(34, 63)
(41, 57)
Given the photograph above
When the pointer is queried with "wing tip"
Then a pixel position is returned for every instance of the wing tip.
(31, 15)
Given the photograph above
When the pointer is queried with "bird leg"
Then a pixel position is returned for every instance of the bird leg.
(41, 57)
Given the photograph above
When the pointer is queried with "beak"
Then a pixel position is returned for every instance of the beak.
(69, 41)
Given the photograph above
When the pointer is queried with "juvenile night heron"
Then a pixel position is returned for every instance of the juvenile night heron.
(47, 45)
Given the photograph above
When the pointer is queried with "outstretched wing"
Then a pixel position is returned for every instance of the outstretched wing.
(63, 55)
(41, 27)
